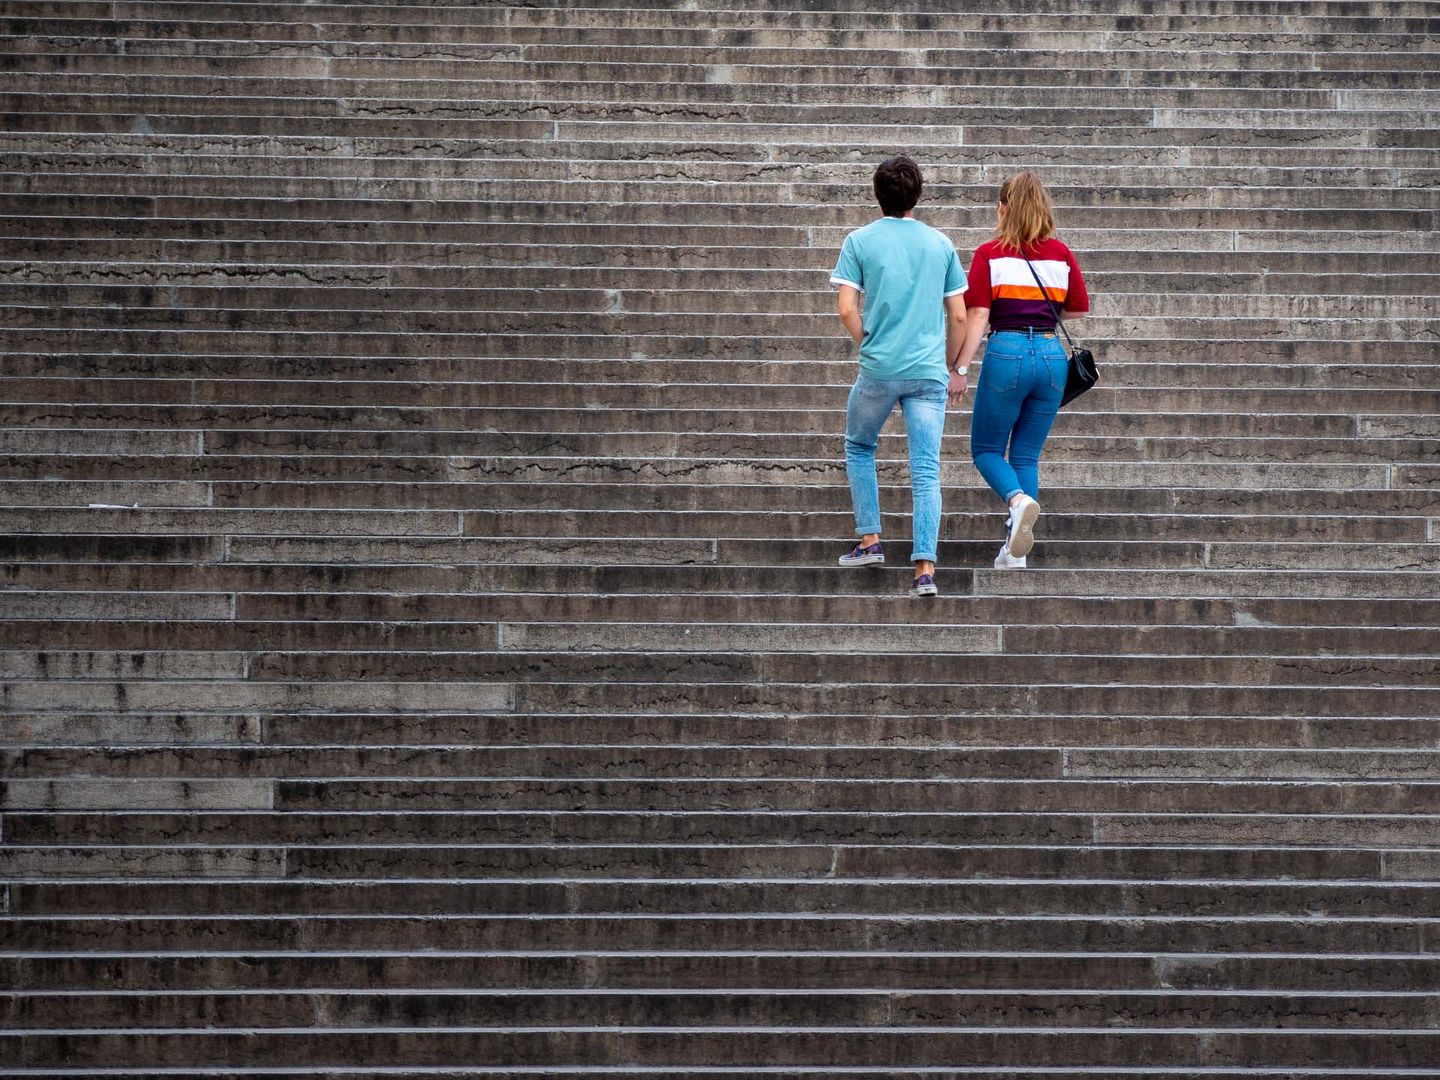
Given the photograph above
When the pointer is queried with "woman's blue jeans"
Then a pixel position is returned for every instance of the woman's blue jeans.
(923, 403)
(1021, 383)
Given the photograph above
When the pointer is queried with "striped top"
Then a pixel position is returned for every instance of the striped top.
(1000, 280)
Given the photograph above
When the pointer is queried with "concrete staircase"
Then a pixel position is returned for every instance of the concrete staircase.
(423, 653)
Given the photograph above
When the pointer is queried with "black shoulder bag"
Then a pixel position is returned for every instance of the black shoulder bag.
(1083, 371)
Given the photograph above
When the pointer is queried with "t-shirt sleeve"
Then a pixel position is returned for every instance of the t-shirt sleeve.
(978, 292)
(954, 277)
(847, 268)
(1076, 297)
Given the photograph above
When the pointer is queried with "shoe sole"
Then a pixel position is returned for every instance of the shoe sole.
(1006, 566)
(927, 590)
(1023, 538)
(868, 560)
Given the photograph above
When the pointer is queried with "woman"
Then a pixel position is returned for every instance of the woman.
(1026, 364)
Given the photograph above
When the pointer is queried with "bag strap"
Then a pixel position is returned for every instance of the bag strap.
(1059, 322)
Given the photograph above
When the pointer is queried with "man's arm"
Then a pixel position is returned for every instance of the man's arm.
(849, 306)
(954, 328)
(962, 339)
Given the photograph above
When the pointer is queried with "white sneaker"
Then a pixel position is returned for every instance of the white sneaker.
(1006, 561)
(1022, 526)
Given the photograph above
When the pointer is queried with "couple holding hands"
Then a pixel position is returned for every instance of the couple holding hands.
(922, 322)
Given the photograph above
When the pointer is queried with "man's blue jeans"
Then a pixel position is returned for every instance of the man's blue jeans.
(871, 403)
(1021, 383)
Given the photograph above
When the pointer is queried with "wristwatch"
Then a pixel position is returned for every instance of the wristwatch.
(961, 370)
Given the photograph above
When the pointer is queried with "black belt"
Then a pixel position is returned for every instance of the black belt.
(1035, 331)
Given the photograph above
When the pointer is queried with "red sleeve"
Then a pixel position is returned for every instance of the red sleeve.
(1076, 297)
(977, 282)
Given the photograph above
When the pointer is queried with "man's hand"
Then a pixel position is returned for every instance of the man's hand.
(958, 385)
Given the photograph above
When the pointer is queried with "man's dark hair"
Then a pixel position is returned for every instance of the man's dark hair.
(897, 185)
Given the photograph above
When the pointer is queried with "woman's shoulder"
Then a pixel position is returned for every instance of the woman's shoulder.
(1053, 247)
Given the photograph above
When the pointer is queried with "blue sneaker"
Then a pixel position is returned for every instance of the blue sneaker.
(924, 585)
(863, 556)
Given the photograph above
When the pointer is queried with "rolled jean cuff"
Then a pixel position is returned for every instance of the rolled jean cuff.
(1011, 495)
(919, 556)
(866, 532)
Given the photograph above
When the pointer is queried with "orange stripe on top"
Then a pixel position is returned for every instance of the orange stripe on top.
(1027, 292)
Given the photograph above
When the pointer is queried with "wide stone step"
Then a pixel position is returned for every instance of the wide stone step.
(274, 168)
(801, 266)
(336, 393)
(1290, 975)
(738, 67)
(710, 863)
(531, 828)
(843, 12)
(314, 234)
(663, 1049)
(223, 112)
(32, 91)
(260, 594)
(867, 939)
(166, 555)
(1402, 366)
(435, 767)
(713, 56)
(836, 729)
(1168, 1009)
(309, 690)
(45, 212)
(175, 428)
(227, 452)
(769, 311)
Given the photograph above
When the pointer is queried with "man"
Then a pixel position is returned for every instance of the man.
(910, 334)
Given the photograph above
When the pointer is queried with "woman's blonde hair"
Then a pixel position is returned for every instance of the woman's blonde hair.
(1028, 217)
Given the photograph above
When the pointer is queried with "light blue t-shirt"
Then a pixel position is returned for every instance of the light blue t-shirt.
(905, 269)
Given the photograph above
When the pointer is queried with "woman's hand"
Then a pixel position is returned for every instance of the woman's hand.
(958, 385)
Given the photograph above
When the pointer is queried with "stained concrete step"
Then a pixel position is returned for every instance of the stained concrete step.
(59, 112)
(273, 479)
(396, 394)
(164, 429)
(836, 934)
(800, 899)
(859, 1008)
(440, 767)
(845, 13)
(132, 728)
(308, 690)
(327, 235)
(568, 577)
(523, 827)
(716, 59)
(246, 565)
(406, 170)
(226, 455)
(682, 862)
(44, 213)
(874, 1047)
(333, 537)
(812, 68)
(1287, 974)
(1402, 366)
(768, 310)
(981, 638)
(797, 263)
(90, 284)
(266, 593)
(630, 83)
